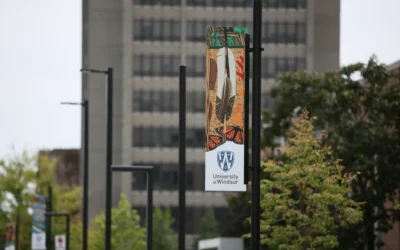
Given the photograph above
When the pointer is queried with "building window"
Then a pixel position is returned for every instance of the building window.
(166, 137)
(167, 101)
(156, 65)
(284, 32)
(165, 177)
(156, 30)
(274, 66)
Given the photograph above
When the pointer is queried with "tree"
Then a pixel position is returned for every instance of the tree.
(64, 198)
(361, 118)
(126, 230)
(305, 199)
(25, 175)
(164, 237)
(15, 180)
(208, 228)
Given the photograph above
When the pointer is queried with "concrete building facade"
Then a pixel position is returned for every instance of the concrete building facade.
(145, 41)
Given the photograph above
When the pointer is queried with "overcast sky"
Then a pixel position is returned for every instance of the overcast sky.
(40, 58)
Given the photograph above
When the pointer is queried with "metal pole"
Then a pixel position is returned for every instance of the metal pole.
(67, 233)
(85, 174)
(17, 230)
(246, 107)
(49, 208)
(182, 155)
(149, 210)
(256, 127)
(109, 158)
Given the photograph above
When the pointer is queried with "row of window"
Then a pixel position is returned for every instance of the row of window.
(168, 65)
(194, 215)
(170, 30)
(301, 4)
(167, 101)
(165, 177)
(273, 66)
(166, 137)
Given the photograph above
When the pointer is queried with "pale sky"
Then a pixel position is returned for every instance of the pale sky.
(40, 58)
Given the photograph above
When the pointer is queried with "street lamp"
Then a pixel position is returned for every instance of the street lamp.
(149, 216)
(85, 105)
(67, 216)
(109, 74)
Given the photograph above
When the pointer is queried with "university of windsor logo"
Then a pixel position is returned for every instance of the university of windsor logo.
(225, 160)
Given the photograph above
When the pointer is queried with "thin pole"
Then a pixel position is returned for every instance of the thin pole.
(85, 174)
(109, 158)
(182, 155)
(17, 230)
(49, 208)
(246, 107)
(149, 210)
(67, 233)
(256, 126)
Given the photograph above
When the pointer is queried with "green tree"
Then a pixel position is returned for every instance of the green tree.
(164, 237)
(361, 118)
(305, 200)
(16, 181)
(208, 228)
(126, 230)
(25, 175)
(64, 198)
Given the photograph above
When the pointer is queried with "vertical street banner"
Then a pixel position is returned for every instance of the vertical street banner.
(38, 241)
(225, 89)
(10, 237)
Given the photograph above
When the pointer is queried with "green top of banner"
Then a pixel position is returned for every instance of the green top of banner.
(215, 37)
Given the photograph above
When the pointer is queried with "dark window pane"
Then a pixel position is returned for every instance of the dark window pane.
(271, 67)
(301, 64)
(137, 65)
(301, 33)
(157, 64)
(136, 100)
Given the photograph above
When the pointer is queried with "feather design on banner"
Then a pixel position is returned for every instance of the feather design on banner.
(226, 91)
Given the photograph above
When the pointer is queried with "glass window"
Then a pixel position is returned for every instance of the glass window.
(147, 29)
(157, 64)
(219, 3)
(281, 29)
(136, 100)
(167, 30)
(291, 33)
(281, 65)
(156, 101)
(156, 30)
(137, 65)
(301, 33)
(176, 36)
(301, 64)
(291, 64)
(302, 4)
(175, 100)
(146, 65)
(271, 67)
(272, 32)
(137, 29)
(146, 101)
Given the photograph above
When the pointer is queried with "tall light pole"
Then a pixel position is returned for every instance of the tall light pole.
(256, 126)
(149, 216)
(85, 105)
(109, 74)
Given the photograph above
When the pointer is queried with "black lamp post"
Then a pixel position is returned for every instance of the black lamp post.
(85, 105)
(109, 74)
(149, 216)
(67, 216)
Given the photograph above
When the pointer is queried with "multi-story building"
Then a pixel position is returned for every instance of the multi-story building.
(67, 165)
(145, 41)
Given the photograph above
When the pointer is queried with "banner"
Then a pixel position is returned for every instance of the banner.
(10, 237)
(224, 149)
(39, 223)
